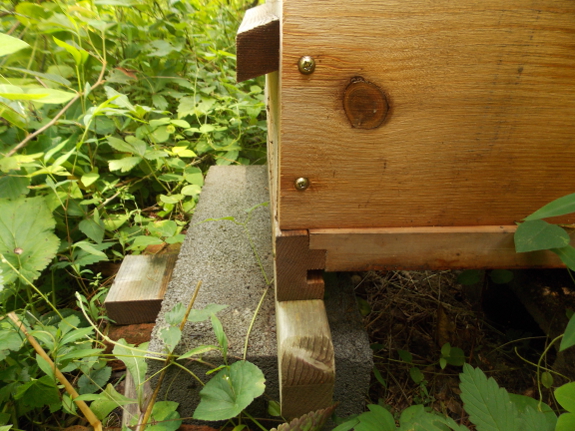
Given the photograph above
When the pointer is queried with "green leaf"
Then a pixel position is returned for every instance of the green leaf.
(90, 178)
(539, 235)
(93, 229)
(194, 175)
(501, 276)
(566, 422)
(191, 190)
(139, 146)
(120, 145)
(405, 356)
(416, 418)
(201, 315)
(51, 96)
(569, 335)
(230, 391)
(489, 406)
(562, 206)
(567, 255)
(80, 55)
(88, 384)
(416, 375)
(48, 76)
(124, 165)
(376, 419)
(176, 314)
(164, 412)
(546, 379)
(45, 366)
(171, 336)
(10, 45)
(274, 408)
(523, 403)
(12, 187)
(135, 363)
(198, 351)
(38, 392)
(565, 395)
(220, 335)
(456, 357)
(27, 240)
(109, 400)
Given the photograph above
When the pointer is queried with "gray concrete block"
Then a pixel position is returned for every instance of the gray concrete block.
(219, 254)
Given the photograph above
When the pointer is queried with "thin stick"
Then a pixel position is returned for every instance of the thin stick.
(90, 416)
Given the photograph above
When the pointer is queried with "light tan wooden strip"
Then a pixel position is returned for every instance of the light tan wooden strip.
(425, 248)
(258, 43)
(306, 357)
(139, 287)
(481, 105)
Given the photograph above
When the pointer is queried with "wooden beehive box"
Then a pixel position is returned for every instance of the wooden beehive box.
(425, 131)
(410, 134)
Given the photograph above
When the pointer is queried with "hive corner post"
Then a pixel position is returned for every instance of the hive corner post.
(306, 359)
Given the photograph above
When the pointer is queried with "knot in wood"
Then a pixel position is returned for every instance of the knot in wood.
(365, 104)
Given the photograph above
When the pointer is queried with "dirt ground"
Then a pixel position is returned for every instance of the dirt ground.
(418, 312)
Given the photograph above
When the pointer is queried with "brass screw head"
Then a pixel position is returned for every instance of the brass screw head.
(301, 184)
(306, 65)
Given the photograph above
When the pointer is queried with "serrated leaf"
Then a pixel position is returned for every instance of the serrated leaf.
(124, 165)
(88, 384)
(139, 146)
(27, 240)
(522, 402)
(230, 391)
(38, 393)
(539, 235)
(489, 406)
(12, 187)
(109, 400)
(176, 314)
(565, 395)
(376, 419)
(171, 336)
(120, 145)
(10, 45)
(165, 414)
(562, 206)
(568, 339)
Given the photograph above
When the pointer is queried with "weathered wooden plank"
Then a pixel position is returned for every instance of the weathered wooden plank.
(139, 287)
(433, 248)
(258, 43)
(298, 270)
(306, 357)
(479, 129)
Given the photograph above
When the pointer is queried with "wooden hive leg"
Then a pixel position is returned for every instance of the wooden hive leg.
(306, 357)
(298, 270)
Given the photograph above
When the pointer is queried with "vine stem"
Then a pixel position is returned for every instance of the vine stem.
(89, 414)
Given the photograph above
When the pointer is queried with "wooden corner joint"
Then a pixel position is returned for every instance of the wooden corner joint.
(257, 43)
(298, 270)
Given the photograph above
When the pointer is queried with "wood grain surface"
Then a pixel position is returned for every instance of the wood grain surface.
(306, 357)
(465, 247)
(480, 126)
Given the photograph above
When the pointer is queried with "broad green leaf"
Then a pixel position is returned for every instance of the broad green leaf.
(93, 229)
(565, 395)
(376, 419)
(470, 277)
(569, 335)
(135, 363)
(200, 315)
(51, 95)
(80, 55)
(194, 175)
(456, 357)
(416, 375)
(501, 276)
(38, 392)
(109, 400)
(165, 414)
(91, 248)
(180, 123)
(9, 341)
(160, 135)
(172, 199)
(90, 178)
(198, 351)
(125, 3)
(171, 336)
(539, 235)
(567, 255)
(546, 379)
(10, 45)
(562, 206)
(12, 187)
(139, 146)
(124, 165)
(191, 190)
(566, 422)
(88, 384)
(417, 419)
(143, 241)
(183, 151)
(120, 145)
(522, 403)
(45, 366)
(160, 102)
(27, 240)
(405, 356)
(489, 406)
(274, 408)
(78, 354)
(176, 314)
(230, 391)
